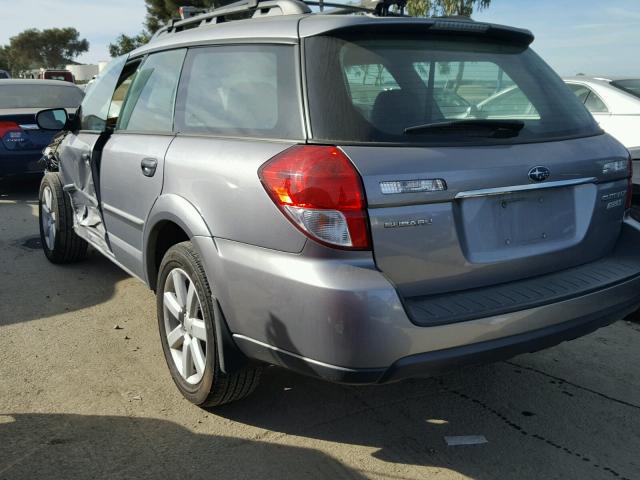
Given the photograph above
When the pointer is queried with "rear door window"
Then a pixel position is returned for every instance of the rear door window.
(151, 97)
(240, 90)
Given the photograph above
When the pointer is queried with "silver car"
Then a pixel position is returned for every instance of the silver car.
(297, 190)
(615, 104)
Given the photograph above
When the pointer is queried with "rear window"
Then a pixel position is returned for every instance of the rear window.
(39, 96)
(371, 89)
(629, 86)
(240, 90)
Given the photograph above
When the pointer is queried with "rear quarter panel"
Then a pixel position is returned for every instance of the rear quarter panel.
(220, 178)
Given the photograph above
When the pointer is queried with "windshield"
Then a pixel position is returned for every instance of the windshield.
(39, 96)
(631, 86)
(373, 90)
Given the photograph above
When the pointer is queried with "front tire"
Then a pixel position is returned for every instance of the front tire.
(188, 335)
(60, 242)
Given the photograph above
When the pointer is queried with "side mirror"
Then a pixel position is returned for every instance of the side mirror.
(52, 119)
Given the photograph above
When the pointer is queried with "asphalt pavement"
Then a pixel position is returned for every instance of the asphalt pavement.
(82, 399)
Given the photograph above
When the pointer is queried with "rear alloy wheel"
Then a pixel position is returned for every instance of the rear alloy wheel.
(59, 241)
(184, 327)
(188, 335)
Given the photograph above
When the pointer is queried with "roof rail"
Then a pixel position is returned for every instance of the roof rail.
(249, 7)
(342, 7)
(258, 8)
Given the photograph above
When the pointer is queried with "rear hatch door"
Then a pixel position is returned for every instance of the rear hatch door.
(517, 178)
(492, 224)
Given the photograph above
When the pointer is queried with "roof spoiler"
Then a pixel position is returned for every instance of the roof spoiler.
(440, 25)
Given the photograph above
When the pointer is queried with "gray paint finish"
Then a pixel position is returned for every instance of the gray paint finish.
(220, 177)
(347, 314)
(473, 242)
(127, 194)
(345, 308)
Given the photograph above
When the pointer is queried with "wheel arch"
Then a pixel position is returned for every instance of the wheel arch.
(173, 219)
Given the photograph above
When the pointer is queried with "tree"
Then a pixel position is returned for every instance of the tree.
(160, 12)
(437, 8)
(4, 58)
(50, 48)
(124, 43)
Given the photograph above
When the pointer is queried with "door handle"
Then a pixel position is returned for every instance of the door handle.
(149, 166)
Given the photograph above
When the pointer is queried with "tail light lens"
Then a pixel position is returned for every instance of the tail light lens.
(630, 186)
(8, 127)
(12, 136)
(320, 191)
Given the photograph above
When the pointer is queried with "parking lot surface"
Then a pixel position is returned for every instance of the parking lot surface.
(85, 393)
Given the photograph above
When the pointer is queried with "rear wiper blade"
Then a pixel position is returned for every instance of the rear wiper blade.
(495, 128)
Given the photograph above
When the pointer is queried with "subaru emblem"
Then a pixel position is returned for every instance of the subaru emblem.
(539, 174)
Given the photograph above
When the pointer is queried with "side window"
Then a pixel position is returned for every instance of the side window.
(240, 90)
(594, 104)
(151, 97)
(579, 90)
(95, 106)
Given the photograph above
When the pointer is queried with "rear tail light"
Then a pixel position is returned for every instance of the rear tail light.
(9, 127)
(321, 193)
(630, 185)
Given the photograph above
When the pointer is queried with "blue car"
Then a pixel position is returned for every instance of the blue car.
(21, 141)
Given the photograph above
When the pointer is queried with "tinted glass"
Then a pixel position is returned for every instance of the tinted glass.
(243, 90)
(95, 107)
(370, 89)
(151, 98)
(631, 86)
(39, 96)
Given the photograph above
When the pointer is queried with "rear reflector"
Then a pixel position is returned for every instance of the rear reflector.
(321, 193)
(615, 167)
(413, 186)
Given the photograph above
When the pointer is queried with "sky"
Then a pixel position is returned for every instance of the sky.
(596, 37)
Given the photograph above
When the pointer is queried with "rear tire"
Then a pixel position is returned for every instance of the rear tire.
(188, 335)
(60, 242)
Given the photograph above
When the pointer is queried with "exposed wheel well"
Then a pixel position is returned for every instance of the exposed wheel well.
(163, 236)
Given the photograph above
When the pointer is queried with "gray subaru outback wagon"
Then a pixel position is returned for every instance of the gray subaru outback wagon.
(363, 198)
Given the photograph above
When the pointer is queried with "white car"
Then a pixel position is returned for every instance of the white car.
(615, 104)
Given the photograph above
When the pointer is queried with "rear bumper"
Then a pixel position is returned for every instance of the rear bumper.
(344, 322)
(18, 163)
(442, 361)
